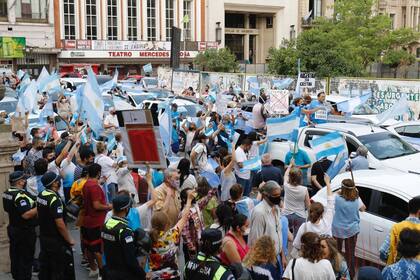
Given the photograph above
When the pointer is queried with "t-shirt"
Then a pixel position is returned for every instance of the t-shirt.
(163, 257)
(68, 167)
(107, 168)
(241, 156)
(318, 170)
(201, 150)
(306, 270)
(189, 140)
(207, 216)
(226, 182)
(111, 120)
(346, 222)
(294, 200)
(257, 117)
(93, 192)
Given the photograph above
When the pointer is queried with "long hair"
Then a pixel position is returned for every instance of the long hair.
(335, 257)
(184, 170)
(311, 247)
(160, 222)
(295, 177)
(349, 190)
(263, 251)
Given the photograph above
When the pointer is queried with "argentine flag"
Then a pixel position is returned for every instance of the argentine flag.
(282, 127)
(399, 108)
(93, 105)
(338, 164)
(282, 84)
(111, 84)
(330, 144)
(253, 164)
(211, 177)
(50, 84)
(165, 126)
(348, 106)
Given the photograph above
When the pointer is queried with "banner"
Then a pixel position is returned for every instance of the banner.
(278, 102)
(164, 77)
(182, 80)
(12, 47)
(384, 92)
(221, 82)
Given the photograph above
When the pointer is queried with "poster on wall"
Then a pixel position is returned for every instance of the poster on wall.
(278, 102)
(182, 80)
(164, 77)
(221, 82)
(12, 47)
(256, 82)
(384, 92)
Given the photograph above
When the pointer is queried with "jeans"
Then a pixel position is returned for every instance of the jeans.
(245, 183)
(295, 222)
(350, 247)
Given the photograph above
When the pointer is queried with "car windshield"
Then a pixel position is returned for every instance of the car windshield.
(159, 94)
(9, 106)
(364, 109)
(141, 97)
(386, 145)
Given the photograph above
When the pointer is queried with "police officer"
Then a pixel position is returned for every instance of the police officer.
(21, 207)
(206, 266)
(119, 244)
(56, 258)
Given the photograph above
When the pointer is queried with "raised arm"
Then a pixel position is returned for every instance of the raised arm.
(186, 212)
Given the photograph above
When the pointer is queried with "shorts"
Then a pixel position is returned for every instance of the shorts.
(91, 239)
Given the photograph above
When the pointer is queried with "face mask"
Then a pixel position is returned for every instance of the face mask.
(175, 184)
(245, 231)
(275, 200)
(51, 159)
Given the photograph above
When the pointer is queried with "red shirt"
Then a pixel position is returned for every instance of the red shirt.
(93, 192)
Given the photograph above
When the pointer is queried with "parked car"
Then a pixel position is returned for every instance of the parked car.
(409, 131)
(386, 150)
(386, 194)
(8, 104)
(137, 97)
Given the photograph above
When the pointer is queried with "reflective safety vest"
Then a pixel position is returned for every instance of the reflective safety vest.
(205, 269)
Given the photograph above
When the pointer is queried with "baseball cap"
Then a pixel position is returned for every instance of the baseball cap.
(16, 175)
(49, 178)
(121, 202)
(212, 235)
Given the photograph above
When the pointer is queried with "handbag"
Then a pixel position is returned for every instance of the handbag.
(72, 209)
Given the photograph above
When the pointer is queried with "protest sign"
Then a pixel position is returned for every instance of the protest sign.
(278, 102)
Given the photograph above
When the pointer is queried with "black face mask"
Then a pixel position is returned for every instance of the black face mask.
(51, 159)
(39, 148)
(275, 199)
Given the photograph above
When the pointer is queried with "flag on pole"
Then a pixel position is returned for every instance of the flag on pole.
(47, 110)
(42, 76)
(253, 164)
(27, 101)
(165, 126)
(212, 178)
(111, 142)
(92, 104)
(338, 164)
(20, 74)
(282, 127)
(111, 84)
(50, 84)
(399, 108)
(282, 83)
(327, 145)
(348, 106)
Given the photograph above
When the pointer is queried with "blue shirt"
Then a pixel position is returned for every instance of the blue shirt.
(407, 269)
(346, 221)
(313, 105)
(359, 163)
(245, 205)
(133, 218)
(285, 233)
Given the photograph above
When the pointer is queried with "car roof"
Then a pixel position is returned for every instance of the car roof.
(8, 99)
(391, 181)
(400, 124)
(352, 128)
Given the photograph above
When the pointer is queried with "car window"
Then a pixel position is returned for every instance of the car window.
(409, 131)
(365, 195)
(351, 145)
(392, 207)
(311, 134)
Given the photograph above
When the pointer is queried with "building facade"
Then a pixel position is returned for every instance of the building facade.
(127, 34)
(311, 9)
(32, 20)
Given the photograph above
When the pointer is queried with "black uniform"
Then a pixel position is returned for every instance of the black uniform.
(56, 255)
(120, 251)
(21, 232)
(202, 268)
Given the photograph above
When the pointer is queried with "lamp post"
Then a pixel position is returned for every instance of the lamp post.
(218, 33)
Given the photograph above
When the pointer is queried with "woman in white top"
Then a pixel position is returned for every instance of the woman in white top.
(320, 219)
(311, 265)
(108, 166)
(125, 179)
(186, 179)
(296, 198)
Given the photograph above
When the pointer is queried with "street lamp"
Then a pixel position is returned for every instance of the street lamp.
(218, 33)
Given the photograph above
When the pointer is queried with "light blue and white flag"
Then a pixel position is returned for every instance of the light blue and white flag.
(228, 143)
(262, 149)
(148, 68)
(165, 126)
(111, 84)
(20, 74)
(282, 127)
(399, 108)
(212, 163)
(282, 83)
(23, 85)
(42, 76)
(253, 164)
(47, 110)
(93, 105)
(28, 99)
(111, 142)
(50, 84)
(253, 85)
(83, 137)
(327, 145)
(212, 178)
(338, 164)
(348, 106)
(209, 132)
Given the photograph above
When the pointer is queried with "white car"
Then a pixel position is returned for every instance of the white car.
(386, 150)
(409, 131)
(8, 104)
(385, 194)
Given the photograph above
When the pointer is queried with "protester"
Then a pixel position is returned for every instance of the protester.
(167, 196)
(244, 205)
(125, 180)
(346, 221)
(111, 121)
(318, 171)
(301, 161)
(359, 162)
(210, 206)
(227, 176)
(388, 250)
(186, 179)
(268, 172)
(296, 198)
(33, 154)
(34, 185)
(408, 267)
(206, 266)
(224, 214)
(311, 265)
(199, 154)
(331, 253)
(108, 170)
(165, 237)
(243, 176)
(261, 259)
(259, 112)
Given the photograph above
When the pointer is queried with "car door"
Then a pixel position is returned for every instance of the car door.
(386, 209)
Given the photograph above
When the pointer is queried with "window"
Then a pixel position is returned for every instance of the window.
(392, 207)
(69, 20)
(112, 20)
(365, 195)
(3, 8)
(269, 22)
(33, 9)
(409, 131)
(253, 21)
(169, 18)
(151, 20)
(234, 20)
(187, 20)
(91, 25)
(132, 20)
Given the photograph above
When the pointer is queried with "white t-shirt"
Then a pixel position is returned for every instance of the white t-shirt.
(306, 270)
(107, 168)
(257, 117)
(111, 120)
(323, 227)
(241, 156)
(189, 182)
(188, 142)
(201, 150)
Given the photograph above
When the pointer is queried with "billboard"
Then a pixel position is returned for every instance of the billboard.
(12, 47)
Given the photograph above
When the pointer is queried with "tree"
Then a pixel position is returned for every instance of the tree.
(221, 60)
(283, 60)
(346, 44)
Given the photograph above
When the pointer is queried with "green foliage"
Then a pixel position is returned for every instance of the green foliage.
(222, 60)
(346, 44)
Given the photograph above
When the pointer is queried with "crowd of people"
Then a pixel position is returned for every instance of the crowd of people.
(176, 222)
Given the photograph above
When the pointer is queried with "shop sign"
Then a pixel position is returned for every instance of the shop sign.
(125, 54)
(84, 44)
(241, 31)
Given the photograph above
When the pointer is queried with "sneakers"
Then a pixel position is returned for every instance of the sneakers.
(93, 273)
